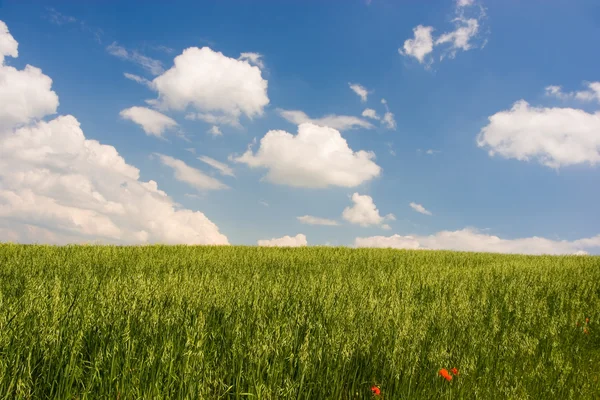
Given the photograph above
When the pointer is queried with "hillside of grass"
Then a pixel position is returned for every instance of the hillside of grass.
(88, 322)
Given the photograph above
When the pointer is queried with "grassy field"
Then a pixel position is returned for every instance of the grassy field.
(105, 322)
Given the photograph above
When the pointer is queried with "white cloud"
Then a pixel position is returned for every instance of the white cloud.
(388, 118)
(215, 85)
(339, 122)
(138, 79)
(459, 38)
(59, 187)
(310, 220)
(554, 137)
(8, 45)
(364, 212)
(469, 239)
(25, 95)
(264, 203)
(361, 91)
(215, 131)
(253, 59)
(419, 208)
(192, 176)
(420, 45)
(432, 152)
(592, 94)
(286, 241)
(223, 168)
(191, 150)
(316, 157)
(370, 113)
(151, 121)
(464, 3)
(151, 65)
(215, 120)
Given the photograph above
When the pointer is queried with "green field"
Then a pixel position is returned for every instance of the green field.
(107, 322)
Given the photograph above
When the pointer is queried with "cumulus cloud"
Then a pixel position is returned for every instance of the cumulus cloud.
(310, 220)
(151, 121)
(316, 157)
(365, 213)
(25, 95)
(253, 59)
(554, 137)
(339, 122)
(223, 168)
(220, 88)
(360, 90)
(461, 38)
(151, 65)
(286, 241)
(8, 45)
(592, 94)
(419, 208)
(192, 176)
(370, 113)
(420, 45)
(470, 239)
(59, 187)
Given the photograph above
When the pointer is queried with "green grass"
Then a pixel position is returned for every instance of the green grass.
(106, 322)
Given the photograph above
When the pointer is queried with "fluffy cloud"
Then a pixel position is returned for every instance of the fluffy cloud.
(420, 45)
(8, 44)
(153, 66)
(59, 187)
(364, 212)
(554, 137)
(461, 38)
(25, 95)
(253, 59)
(215, 85)
(339, 122)
(316, 157)
(286, 241)
(472, 240)
(361, 91)
(592, 94)
(151, 121)
(223, 168)
(214, 120)
(193, 177)
(370, 113)
(419, 208)
(310, 220)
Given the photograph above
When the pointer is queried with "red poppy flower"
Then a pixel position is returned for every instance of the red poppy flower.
(445, 374)
(375, 390)
(454, 371)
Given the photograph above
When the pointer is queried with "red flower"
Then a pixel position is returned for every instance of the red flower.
(586, 331)
(375, 390)
(587, 320)
(454, 371)
(445, 374)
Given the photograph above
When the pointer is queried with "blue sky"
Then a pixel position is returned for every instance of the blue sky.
(542, 182)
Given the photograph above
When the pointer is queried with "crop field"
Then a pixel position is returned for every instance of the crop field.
(234, 322)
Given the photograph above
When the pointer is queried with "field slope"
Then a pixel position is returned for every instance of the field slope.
(305, 323)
